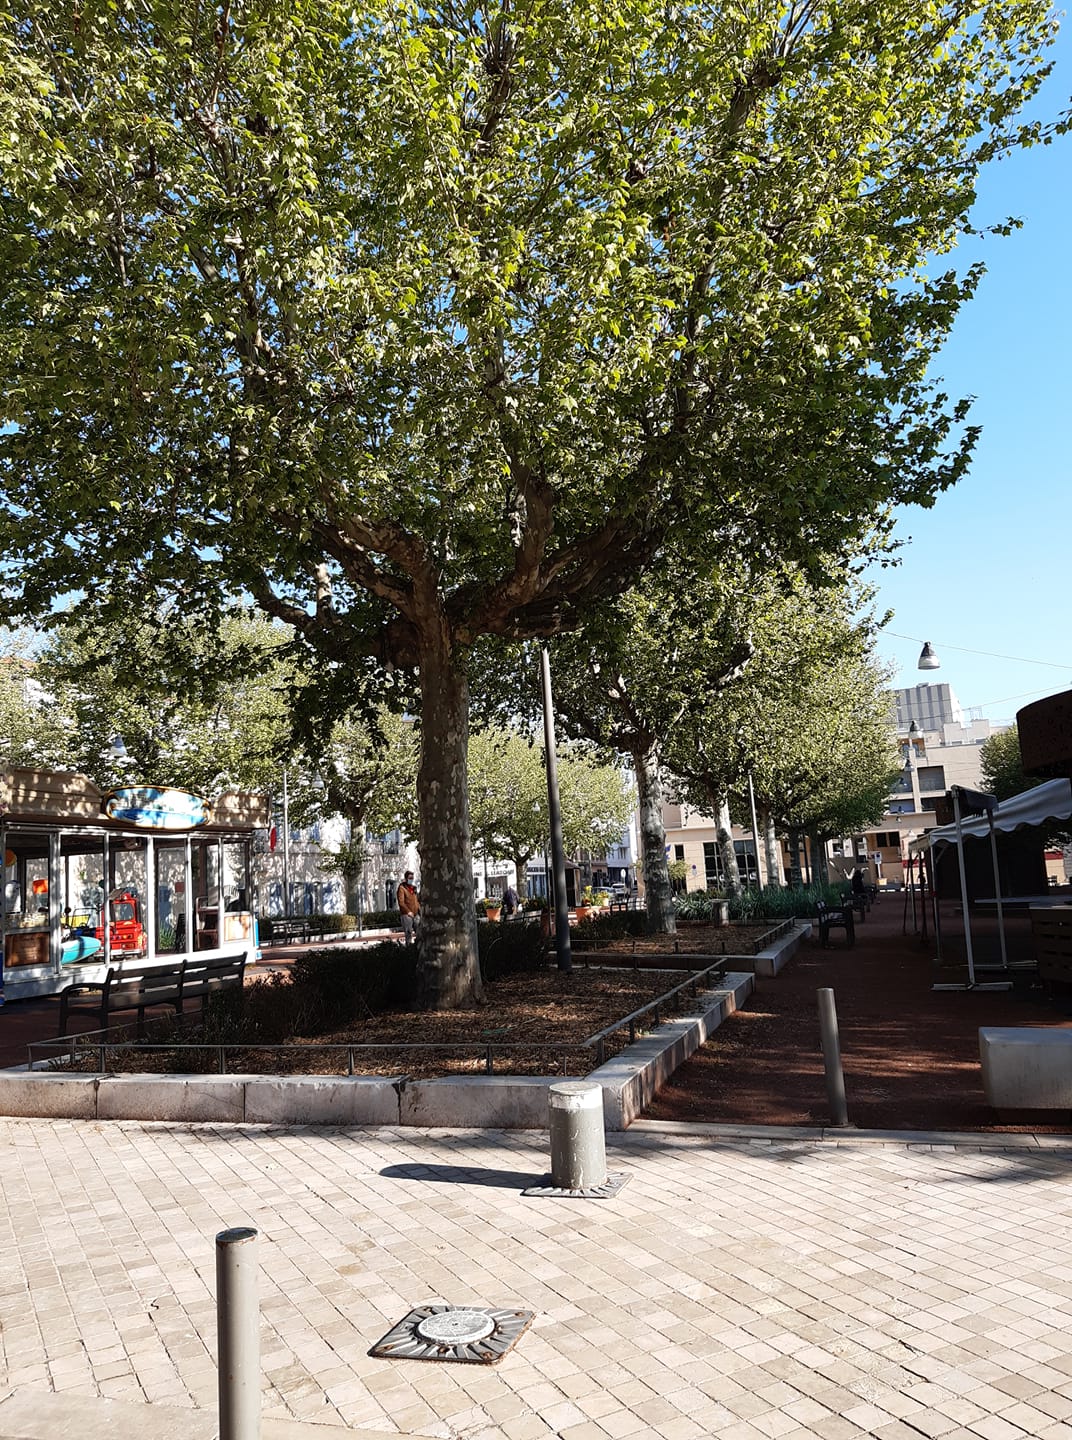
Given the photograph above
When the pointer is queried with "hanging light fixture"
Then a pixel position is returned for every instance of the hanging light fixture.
(928, 660)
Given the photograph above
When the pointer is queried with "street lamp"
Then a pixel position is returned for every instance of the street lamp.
(558, 850)
(928, 660)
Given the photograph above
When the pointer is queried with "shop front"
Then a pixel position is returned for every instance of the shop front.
(94, 877)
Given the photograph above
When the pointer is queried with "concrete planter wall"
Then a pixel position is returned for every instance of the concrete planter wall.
(478, 1101)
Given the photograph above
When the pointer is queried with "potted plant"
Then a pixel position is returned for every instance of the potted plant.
(585, 904)
(540, 905)
(491, 906)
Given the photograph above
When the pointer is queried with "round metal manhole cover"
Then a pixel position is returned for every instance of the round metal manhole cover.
(456, 1327)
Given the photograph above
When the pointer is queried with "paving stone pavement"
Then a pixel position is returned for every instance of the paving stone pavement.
(768, 1289)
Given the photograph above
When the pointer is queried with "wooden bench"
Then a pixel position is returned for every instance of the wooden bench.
(137, 987)
(859, 902)
(836, 919)
(289, 928)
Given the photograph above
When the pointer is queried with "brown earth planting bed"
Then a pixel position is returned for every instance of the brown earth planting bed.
(535, 1023)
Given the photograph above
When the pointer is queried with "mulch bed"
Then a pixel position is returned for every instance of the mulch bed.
(713, 940)
(910, 1053)
(535, 1022)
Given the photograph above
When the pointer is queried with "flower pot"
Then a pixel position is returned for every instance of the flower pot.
(493, 914)
(582, 912)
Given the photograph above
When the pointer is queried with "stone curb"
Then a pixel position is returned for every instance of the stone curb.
(836, 1135)
(493, 1102)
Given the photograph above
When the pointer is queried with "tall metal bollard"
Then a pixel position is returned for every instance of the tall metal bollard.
(835, 1079)
(238, 1334)
(578, 1144)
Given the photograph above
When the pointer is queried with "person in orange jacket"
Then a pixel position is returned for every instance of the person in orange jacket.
(410, 905)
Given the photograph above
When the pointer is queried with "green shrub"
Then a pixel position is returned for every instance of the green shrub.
(382, 920)
(600, 930)
(511, 949)
(775, 903)
(697, 904)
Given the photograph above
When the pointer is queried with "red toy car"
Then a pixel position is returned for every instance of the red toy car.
(127, 931)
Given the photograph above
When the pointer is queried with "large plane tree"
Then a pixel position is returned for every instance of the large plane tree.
(418, 323)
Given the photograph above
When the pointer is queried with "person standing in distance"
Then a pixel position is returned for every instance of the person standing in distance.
(410, 906)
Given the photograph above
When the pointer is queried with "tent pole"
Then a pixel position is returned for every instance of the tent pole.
(923, 896)
(997, 891)
(963, 887)
(934, 902)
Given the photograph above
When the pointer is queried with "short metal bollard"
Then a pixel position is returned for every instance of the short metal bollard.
(578, 1144)
(835, 1078)
(238, 1334)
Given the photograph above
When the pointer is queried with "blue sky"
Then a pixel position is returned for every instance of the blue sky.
(989, 567)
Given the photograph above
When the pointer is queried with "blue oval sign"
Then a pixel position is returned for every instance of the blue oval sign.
(147, 808)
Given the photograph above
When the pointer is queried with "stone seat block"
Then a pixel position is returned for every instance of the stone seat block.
(1026, 1067)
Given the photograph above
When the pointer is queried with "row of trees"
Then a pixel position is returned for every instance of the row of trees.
(432, 324)
(720, 691)
(71, 701)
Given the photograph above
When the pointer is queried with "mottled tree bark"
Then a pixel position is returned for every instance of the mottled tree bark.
(521, 869)
(771, 849)
(730, 868)
(657, 892)
(449, 970)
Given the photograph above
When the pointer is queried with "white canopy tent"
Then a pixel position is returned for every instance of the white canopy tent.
(1051, 801)
(1044, 804)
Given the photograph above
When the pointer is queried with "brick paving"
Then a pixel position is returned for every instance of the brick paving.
(752, 1290)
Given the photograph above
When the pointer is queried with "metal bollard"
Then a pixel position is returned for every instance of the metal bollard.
(238, 1334)
(835, 1079)
(578, 1144)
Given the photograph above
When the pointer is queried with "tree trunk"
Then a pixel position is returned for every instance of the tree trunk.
(521, 884)
(352, 884)
(448, 971)
(820, 869)
(661, 918)
(796, 873)
(730, 868)
(772, 850)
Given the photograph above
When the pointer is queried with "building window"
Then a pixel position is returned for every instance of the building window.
(714, 871)
(928, 804)
(888, 840)
(932, 777)
(679, 852)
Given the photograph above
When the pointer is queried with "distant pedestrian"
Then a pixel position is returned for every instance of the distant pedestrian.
(858, 885)
(410, 905)
(510, 902)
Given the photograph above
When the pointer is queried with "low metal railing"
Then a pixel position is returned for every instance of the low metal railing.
(68, 1048)
(654, 1007)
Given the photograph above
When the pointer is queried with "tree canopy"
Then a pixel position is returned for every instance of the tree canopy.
(508, 799)
(423, 323)
(1001, 766)
(119, 682)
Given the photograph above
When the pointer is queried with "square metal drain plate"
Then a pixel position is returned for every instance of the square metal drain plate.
(610, 1187)
(473, 1334)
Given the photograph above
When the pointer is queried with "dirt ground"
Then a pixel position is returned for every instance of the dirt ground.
(910, 1053)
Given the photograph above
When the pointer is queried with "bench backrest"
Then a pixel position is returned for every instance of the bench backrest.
(148, 984)
(203, 974)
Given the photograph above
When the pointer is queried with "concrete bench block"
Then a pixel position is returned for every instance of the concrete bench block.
(172, 1097)
(48, 1097)
(497, 1102)
(321, 1100)
(1026, 1068)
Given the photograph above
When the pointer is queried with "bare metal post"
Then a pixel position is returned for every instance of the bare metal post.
(578, 1142)
(835, 1079)
(238, 1334)
(558, 849)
